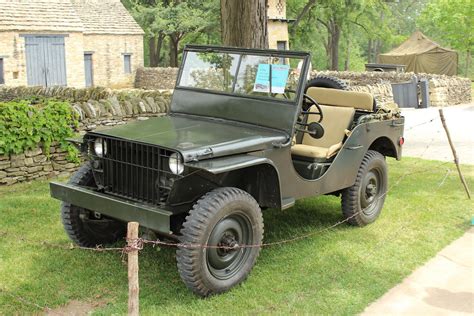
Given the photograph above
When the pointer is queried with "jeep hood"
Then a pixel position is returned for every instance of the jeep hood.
(197, 138)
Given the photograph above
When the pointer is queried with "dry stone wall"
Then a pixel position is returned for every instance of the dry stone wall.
(444, 90)
(35, 164)
(96, 108)
(156, 78)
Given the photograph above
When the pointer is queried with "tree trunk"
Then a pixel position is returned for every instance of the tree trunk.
(244, 23)
(369, 51)
(152, 50)
(468, 62)
(335, 34)
(348, 53)
(174, 49)
(155, 43)
(377, 47)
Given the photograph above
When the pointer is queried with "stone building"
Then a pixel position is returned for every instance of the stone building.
(73, 43)
(277, 25)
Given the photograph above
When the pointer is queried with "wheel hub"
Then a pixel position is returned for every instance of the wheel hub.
(228, 243)
(370, 190)
(230, 232)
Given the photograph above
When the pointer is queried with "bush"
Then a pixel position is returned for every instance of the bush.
(27, 124)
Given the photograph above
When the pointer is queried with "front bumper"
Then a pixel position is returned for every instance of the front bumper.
(148, 216)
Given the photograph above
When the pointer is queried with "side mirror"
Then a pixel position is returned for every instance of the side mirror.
(316, 130)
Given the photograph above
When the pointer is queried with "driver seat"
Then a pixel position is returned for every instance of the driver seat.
(335, 123)
(338, 108)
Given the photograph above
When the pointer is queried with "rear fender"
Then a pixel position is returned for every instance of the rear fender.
(386, 147)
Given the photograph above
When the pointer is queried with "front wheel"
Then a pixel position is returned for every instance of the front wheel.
(226, 217)
(362, 203)
(85, 227)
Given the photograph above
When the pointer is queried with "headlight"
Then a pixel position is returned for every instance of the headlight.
(176, 164)
(100, 147)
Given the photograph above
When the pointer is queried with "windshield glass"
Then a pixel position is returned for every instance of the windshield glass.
(242, 74)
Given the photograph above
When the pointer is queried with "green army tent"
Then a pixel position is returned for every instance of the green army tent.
(421, 55)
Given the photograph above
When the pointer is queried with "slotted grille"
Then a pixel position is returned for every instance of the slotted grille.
(136, 171)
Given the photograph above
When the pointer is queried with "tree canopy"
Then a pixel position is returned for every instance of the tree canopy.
(341, 34)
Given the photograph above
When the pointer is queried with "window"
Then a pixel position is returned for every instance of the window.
(127, 63)
(281, 45)
(2, 78)
(88, 69)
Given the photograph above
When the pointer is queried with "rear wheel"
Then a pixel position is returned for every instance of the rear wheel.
(223, 217)
(87, 228)
(362, 203)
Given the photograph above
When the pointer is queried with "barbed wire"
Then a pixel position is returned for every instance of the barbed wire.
(388, 237)
(420, 124)
(139, 243)
(24, 300)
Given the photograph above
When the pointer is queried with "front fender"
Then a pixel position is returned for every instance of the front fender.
(229, 163)
(256, 175)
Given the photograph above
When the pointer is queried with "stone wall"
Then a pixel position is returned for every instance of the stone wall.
(99, 106)
(96, 108)
(156, 78)
(444, 90)
(34, 164)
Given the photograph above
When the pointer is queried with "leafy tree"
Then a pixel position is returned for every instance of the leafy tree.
(451, 22)
(169, 21)
(337, 19)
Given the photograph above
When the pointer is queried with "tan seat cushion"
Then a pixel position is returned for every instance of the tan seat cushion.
(336, 121)
(342, 98)
(314, 151)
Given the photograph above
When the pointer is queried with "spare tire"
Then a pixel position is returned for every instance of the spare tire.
(327, 82)
(331, 83)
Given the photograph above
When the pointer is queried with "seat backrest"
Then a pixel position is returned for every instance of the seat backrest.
(335, 121)
(335, 97)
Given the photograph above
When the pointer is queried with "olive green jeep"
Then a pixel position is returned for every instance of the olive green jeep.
(246, 131)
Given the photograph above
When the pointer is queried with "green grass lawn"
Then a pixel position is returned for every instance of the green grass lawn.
(339, 271)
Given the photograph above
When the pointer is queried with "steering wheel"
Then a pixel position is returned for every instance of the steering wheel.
(308, 102)
(314, 129)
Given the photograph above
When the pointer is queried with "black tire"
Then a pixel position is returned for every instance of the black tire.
(81, 225)
(224, 216)
(327, 82)
(363, 202)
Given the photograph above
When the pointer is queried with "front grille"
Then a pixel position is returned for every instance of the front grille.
(136, 171)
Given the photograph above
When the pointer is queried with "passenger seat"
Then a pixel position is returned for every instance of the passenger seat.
(338, 108)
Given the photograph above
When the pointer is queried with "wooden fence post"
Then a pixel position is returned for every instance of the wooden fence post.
(456, 160)
(133, 288)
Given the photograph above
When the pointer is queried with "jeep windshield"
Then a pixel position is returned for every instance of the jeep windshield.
(271, 75)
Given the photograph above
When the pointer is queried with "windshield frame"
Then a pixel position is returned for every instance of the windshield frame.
(304, 56)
